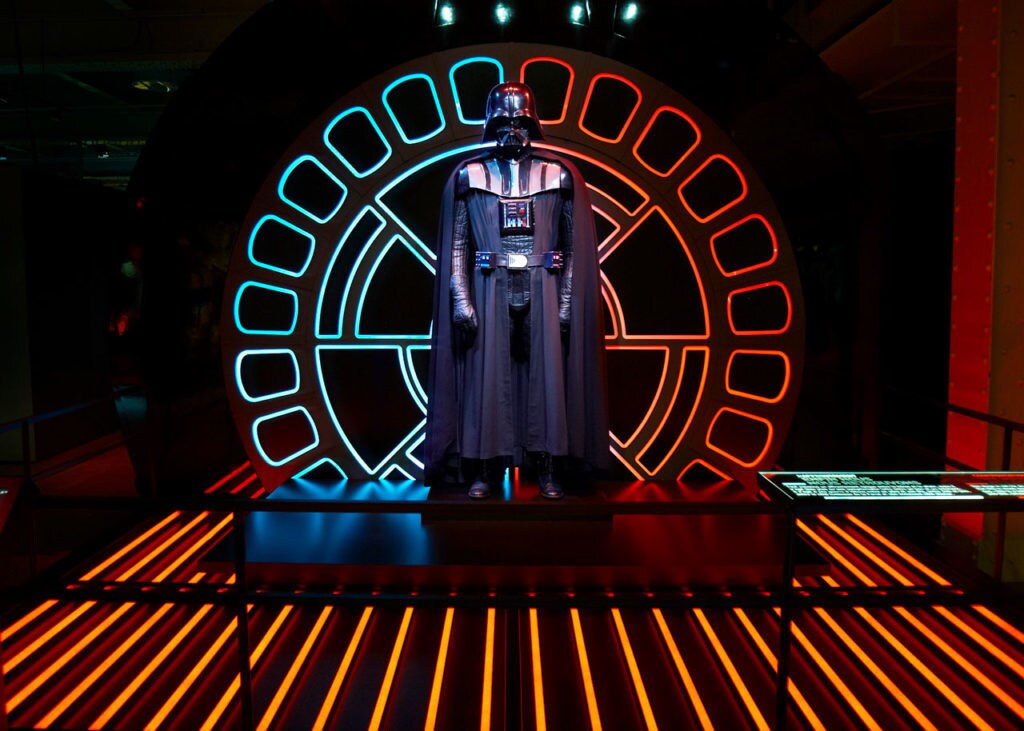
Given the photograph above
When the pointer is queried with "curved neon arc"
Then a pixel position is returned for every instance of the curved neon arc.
(271, 267)
(689, 419)
(334, 417)
(294, 455)
(643, 134)
(394, 119)
(693, 268)
(338, 154)
(657, 394)
(645, 198)
(277, 394)
(325, 460)
(568, 88)
(727, 206)
(744, 394)
(260, 285)
(395, 468)
(288, 171)
(762, 285)
(368, 281)
(378, 198)
(413, 378)
(412, 448)
(455, 92)
(760, 265)
(629, 119)
(356, 220)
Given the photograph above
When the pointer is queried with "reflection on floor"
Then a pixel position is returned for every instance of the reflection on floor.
(398, 664)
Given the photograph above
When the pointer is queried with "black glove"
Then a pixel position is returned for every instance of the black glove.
(463, 312)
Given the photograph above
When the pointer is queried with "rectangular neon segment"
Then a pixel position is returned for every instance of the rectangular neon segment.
(339, 677)
(485, 704)
(16, 627)
(389, 676)
(442, 655)
(588, 680)
(46, 637)
(211, 721)
(538, 676)
(684, 674)
(293, 671)
(634, 671)
(730, 669)
(222, 481)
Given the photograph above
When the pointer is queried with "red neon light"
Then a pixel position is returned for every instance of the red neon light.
(588, 680)
(538, 675)
(193, 549)
(14, 628)
(684, 674)
(629, 120)
(646, 129)
(625, 463)
(442, 657)
(724, 453)
(693, 267)
(657, 393)
(339, 676)
(568, 88)
(242, 485)
(52, 632)
(730, 669)
(616, 227)
(689, 419)
(763, 285)
(488, 680)
(121, 553)
(614, 308)
(634, 670)
(227, 477)
(736, 392)
(705, 465)
(566, 152)
(727, 206)
(752, 267)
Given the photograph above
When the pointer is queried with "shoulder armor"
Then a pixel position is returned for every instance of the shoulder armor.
(462, 182)
(566, 179)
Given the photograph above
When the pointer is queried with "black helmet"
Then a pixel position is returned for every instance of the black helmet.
(511, 100)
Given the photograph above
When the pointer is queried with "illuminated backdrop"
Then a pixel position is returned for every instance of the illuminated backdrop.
(328, 302)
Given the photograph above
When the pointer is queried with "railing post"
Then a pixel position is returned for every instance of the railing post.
(1007, 448)
(785, 623)
(242, 614)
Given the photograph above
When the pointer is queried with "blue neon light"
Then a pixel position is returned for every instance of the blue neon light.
(395, 468)
(277, 394)
(416, 431)
(271, 267)
(417, 388)
(455, 91)
(337, 153)
(288, 171)
(325, 460)
(259, 285)
(330, 267)
(411, 450)
(369, 280)
(394, 119)
(275, 415)
(384, 189)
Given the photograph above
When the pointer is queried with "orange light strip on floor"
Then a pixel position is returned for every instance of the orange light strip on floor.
(634, 671)
(241, 485)
(485, 702)
(976, 672)
(83, 686)
(898, 551)
(339, 677)
(163, 546)
(684, 674)
(47, 636)
(286, 684)
(389, 676)
(17, 626)
(53, 668)
(910, 657)
(139, 680)
(911, 708)
(538, 676)
(588, 680)
(193, 549)
(798, 697)
(134, 544)
(999, 622)
(730, 669)
(229, 695)
(196, 672)
(442, 656)
(238, 470)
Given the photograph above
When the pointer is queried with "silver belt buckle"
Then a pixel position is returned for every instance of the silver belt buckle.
(517, 261)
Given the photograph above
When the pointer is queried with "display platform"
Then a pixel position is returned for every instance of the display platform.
(612, 535)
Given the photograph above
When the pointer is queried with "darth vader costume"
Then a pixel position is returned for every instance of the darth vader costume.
(517, 371)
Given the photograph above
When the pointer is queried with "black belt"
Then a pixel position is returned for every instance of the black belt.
(493, 259)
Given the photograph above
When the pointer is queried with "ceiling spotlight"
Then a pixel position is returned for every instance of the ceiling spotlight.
(502, 13)
(629, 11)
(579, 13)
(102, 152)
(154, 85)
(444, 13)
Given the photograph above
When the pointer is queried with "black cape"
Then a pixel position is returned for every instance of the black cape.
(470, 407)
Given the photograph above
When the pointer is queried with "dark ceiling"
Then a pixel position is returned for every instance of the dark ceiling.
(70, 73)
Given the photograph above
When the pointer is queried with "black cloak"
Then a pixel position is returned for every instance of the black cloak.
(474, 376)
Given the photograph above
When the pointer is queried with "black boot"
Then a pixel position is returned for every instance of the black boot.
(485, 478)
(546, 478)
